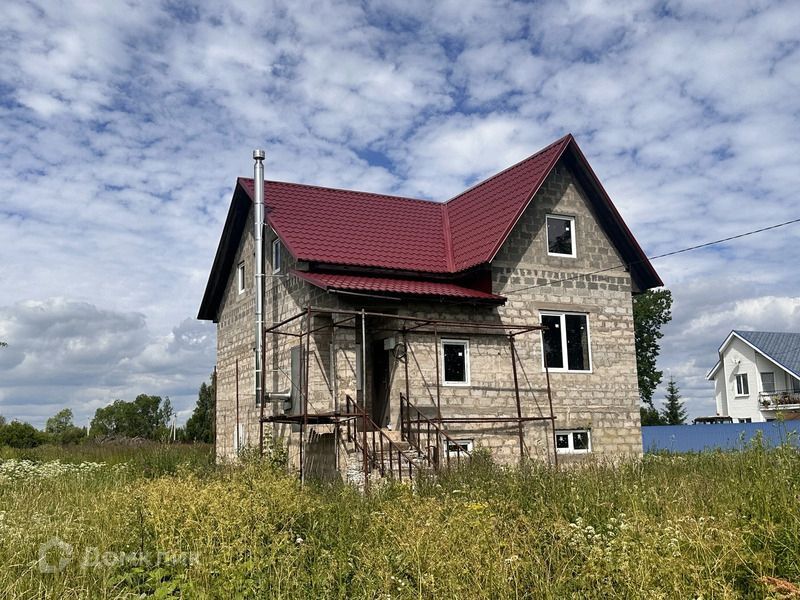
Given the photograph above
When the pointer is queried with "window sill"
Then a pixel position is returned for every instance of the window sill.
(562, 255)
(567, 371)
(455, 384)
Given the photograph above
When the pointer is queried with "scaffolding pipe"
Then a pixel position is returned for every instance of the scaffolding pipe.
(438, 384)
(516, 394)
(552, 416)
(364, 394)
(236, 431)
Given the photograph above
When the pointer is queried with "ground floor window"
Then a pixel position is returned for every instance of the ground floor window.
(454, 447)
(566, 341)
(576, 441)
(455, 362)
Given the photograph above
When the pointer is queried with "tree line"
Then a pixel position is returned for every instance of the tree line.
(146, 417)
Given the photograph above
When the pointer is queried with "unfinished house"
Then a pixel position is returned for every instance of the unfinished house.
(395, 334)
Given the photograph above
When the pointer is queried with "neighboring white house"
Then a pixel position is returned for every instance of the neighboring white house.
(757, 376)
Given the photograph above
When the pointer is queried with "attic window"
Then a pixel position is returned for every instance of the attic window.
(276, 256)
(560, 236)
(240, 277)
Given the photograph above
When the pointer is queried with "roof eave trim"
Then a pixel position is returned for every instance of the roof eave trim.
(565, 141)
(774, 361)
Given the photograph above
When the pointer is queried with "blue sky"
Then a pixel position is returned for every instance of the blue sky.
(124, 124)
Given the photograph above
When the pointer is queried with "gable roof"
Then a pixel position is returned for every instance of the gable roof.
(782, 348)
(328, 226)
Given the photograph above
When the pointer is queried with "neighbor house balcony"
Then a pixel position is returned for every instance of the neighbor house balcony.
(779, 400)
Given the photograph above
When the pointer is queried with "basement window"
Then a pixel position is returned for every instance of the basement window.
(455, 362)
(240, 277)
(276, 256)
(458, 447)
(565, 344)
(742, 387)
(560, 236)
(576, 441)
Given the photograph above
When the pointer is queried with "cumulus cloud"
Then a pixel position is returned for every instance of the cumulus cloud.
(124, 126)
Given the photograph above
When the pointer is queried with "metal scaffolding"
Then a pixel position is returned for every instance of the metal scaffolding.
(352, 412)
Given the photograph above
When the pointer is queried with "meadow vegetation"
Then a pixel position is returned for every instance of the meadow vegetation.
(165, 521)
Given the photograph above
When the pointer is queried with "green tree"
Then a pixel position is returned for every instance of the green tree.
(650, 416)
(21, 435)
(61, 428)
(651, 311)
(146, 417)
(2, 420)
(200, 426)
(674, 413)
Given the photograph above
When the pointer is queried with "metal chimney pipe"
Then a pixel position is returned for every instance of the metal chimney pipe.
(258, 231)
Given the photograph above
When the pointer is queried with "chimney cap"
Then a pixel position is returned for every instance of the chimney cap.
(259, 154)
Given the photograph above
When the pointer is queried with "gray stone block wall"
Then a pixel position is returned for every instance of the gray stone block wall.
(605, 400)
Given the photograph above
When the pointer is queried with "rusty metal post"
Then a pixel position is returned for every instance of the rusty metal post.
(261, 391)
(438, 383)
(304, 393)
(364, 393)
(552, 416)
(236, 431)
(214, 422)
(405, 362)
(516, 394)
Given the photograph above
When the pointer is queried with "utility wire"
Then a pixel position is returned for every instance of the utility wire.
(666, 254)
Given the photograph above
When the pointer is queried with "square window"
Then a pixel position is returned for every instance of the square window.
(276, 256)
(577, 441)
(560, 235)
(455, 362)
(240, 277)
(566, 342)
(742, 388)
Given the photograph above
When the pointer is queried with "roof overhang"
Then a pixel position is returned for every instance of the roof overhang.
(388, 288)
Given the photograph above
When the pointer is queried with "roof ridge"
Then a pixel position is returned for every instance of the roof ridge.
(346, 191)
(561, 140)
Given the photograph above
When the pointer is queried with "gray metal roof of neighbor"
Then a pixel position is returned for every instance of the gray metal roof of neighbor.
(783, 348)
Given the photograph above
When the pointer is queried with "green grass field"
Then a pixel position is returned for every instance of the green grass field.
(165, 521)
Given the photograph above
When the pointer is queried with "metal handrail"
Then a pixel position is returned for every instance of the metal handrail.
(376, 445)
(779, 398)
(430, 426)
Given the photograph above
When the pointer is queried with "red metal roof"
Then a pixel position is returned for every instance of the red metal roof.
(344, 227)
(327, 226)
(401, 287)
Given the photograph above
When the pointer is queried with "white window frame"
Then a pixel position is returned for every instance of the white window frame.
(571, 449)
(562, 315)
(761, 380)
(276, 256)
(467, 377)
(739, 393)
(572, 236)
(466, 443)
(241, 284)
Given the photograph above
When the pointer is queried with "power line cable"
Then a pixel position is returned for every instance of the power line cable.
(656, 257)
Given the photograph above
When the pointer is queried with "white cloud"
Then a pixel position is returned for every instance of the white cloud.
(124, 126)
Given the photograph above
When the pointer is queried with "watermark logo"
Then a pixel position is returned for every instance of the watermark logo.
(54, 555)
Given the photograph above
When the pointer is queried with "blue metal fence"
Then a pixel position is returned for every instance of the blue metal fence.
(724, 436)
